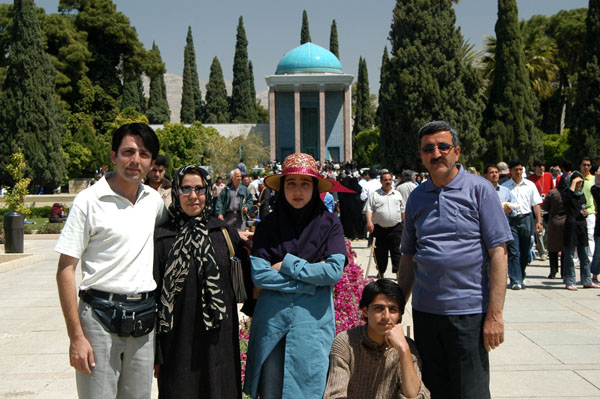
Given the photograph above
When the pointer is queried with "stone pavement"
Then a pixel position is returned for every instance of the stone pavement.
(552, 346)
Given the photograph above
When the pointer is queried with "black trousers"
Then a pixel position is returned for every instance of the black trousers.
(388, 242)
(455, 363)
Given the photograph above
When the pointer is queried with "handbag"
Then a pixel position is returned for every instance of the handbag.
(237, 274)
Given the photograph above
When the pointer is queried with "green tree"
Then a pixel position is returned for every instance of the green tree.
(253, 99)
(30, 115)
(365, 148)
(242, 104)
(425, 83)
(585, 134)
(363, 118)
(304, 32)
(15, 197)
(110, 38)
(133, 89)
(333, 40)
(190, 74)
(158, 108)
(384, 90)
(217, 107)
(509, 120)
(180, 144)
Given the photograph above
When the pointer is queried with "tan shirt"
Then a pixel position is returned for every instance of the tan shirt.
(360, 369)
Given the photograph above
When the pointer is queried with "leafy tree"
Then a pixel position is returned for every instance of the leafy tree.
(15, 197)
(304, 32)
(242, 104)
(190, 74)
(180, 144)
(333, 40)
(366, 145)
(217, 107)
(110, 38)
(30, 115)
(128, 115)
(585, 135)
(84, 150)
(363, 118)
(198, 105)
(567, 28)
(158, 108)
(426, 82)
(555, 147)
(509, 120)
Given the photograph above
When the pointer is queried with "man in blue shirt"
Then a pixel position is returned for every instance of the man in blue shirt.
(454, 262)
(507, 199)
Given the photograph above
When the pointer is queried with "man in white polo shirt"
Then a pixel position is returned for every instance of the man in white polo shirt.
(110, 229)
(384, 211)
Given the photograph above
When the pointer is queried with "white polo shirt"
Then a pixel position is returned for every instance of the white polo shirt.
(387, 208)
(113, 238)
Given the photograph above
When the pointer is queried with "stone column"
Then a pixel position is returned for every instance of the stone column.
(272, 125)
(297, 147)
(347, 111)
(322, 145)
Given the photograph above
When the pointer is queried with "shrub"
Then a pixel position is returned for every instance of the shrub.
(51, 228)
(41, 212)
(2, 233)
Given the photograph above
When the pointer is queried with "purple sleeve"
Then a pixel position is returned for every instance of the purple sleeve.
(494, 225)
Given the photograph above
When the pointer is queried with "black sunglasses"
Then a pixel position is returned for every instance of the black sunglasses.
(186, 190)
(444, 148)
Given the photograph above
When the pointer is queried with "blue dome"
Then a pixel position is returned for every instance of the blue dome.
(309, 58)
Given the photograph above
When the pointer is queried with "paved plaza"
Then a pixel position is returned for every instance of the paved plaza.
(552, 346)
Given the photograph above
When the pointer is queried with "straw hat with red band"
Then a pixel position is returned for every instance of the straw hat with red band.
(298, 164)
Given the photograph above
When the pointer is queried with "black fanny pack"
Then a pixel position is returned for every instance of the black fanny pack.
(125, 318)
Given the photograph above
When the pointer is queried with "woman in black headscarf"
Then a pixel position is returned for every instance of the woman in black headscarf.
(298, 255)
(351, 208)
(198, 354)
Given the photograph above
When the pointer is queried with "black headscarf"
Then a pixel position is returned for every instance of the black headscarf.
(192, 244)
(311, 233)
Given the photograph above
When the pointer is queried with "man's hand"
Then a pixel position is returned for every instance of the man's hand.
(220, 217)
(81, 355)
(396, 339)
(246, 237)
(370, 227)
(506, 207)
(493, 331)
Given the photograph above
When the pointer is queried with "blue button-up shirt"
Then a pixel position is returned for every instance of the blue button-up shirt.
(448, 230)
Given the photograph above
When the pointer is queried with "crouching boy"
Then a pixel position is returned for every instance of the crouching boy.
(376, 360)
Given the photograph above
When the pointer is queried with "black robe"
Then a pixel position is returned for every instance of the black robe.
(351, 210)
(195, 363)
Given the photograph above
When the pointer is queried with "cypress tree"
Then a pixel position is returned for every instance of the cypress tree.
(333, 40)
(158, 107)
(133, 89)
(304, 32)
(585, 135)
(188, 101)
(31, 118)
(241, 106)
(252, 91)
(384, 95)
(198, 105)
(362, 118)
(425, 82)
(508, 125)
(217, 107)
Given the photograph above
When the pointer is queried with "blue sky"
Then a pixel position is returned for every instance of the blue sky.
(273, 28)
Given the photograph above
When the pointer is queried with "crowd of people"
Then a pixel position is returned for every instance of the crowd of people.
(166, 265)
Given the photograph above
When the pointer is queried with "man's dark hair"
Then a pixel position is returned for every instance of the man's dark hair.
(487, 167)
(538, 162)
(160, 160)
(514, 163)
(586, 158)
(141, 130)
(372, 173)
(365, 172)
(438, 126)
(389, 288)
